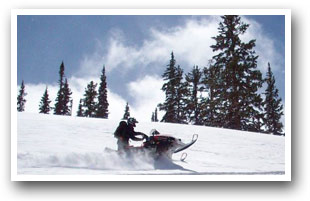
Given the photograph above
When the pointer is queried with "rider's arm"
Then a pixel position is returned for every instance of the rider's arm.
(134, 134)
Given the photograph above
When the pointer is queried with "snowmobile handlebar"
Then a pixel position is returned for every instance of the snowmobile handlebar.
(143, 136)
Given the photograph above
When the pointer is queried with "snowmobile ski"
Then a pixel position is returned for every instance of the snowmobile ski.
(194, 139)
(183, 156)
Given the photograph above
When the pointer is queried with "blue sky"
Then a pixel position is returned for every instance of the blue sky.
(44, 41)
(134, 49)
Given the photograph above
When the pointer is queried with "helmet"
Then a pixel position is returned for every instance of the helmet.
(132, 121)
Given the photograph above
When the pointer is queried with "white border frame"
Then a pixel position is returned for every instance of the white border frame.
(285, 177)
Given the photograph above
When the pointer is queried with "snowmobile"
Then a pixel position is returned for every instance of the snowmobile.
(158, 145)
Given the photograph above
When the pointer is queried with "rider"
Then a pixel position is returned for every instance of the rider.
(125, 131)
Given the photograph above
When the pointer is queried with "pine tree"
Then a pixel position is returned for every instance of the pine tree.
(155, 115)
(80, 112)
(174, 89)
(193, 80)
(89, 100)
(21, 101)
(59, 105)
(63, 99)
(272, 106)
(181, 99)
(71, 106)
(169, 88)
(44, 106)
(127, 112)
(211, 104)
(256, 116)
(67, 101)
(102, 107)
(239, 78)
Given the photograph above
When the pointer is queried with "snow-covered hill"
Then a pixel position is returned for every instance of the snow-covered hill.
(59, 145)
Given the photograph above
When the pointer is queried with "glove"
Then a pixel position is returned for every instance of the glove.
(146, 137)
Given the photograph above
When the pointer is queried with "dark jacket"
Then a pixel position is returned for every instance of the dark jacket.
(124, 132)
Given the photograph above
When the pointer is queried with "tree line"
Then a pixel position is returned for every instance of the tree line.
(94, 104)
(224, 94)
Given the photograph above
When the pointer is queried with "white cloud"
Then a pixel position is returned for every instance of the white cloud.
(116, 106)
(190, 43)
(147, 95)
(91, 65)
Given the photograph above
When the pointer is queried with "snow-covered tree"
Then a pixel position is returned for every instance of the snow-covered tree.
(21, 101)
(44, 106)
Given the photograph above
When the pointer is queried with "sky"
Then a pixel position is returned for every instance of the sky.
(135, 51)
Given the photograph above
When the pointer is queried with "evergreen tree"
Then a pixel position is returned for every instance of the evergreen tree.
(155, 115)
(71, 106)
(181, 99)
(67, 101)
(256, 116)
(193, 109)
(272, 106)
(59, 105)
(174, 89)
(44, 106)
(211, 104)
(63, 99)
(80, 112)
(21, 101)
(89, 100)
(239, 79)
(127, 112)
(169, 88)
(102, 107)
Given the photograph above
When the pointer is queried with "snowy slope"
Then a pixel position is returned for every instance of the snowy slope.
(59, 145)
